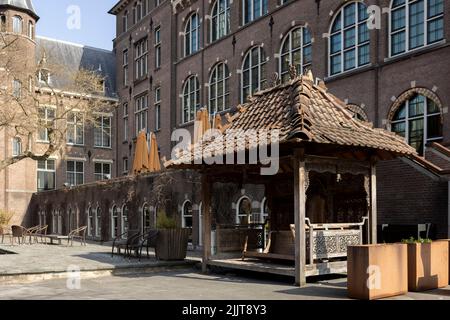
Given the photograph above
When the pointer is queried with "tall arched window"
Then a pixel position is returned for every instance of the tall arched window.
(295, 50)
(124, 222)
(17, 24)
(72, 219)
(244, 211)
(114, 222)
(349, 42)
(418, 119)
(187, 214)
(125, 21)
(253, 72)
(220, 19)
(253, 9)
(191, 35)
(219, 88)
(414, 24)
(200, 224)
(91, 222)
(98, 222)
(146, 218)
(16, 146)
(191, 99)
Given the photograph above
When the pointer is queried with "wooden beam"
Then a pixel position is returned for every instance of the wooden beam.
(206, 223)
(373, 203)
(300, 215)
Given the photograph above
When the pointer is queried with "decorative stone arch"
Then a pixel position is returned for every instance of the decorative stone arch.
(356, 109)
(238, 205)
(408, 94)
(338, 8)
(183, 206)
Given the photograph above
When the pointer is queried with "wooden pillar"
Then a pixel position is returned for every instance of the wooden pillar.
(206, 223)
(373, 203)
(300, 215)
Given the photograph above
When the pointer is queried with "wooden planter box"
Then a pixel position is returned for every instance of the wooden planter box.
(172, 244)
(428, 265)
(377, 271)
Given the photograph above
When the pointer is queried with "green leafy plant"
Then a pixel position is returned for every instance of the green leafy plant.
(5, 217)
(413, 240)
(165, 222)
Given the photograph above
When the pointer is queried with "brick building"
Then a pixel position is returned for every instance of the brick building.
(174, 57)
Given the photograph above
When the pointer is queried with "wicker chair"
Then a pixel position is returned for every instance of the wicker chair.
(20, 233)
(79, 234)
(41, 233)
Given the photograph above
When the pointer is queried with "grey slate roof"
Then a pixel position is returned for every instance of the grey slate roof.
(75, 56)
(22, 4)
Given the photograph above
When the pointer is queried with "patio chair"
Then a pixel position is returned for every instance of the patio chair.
(31, 234)
(18, 232)
(41, 233)
(120, 242)
(148, 241)
(79, 234)
(4, 232)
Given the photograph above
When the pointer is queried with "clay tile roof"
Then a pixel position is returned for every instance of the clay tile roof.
(303, 110)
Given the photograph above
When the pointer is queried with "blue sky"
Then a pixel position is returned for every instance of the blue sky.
(92, 27)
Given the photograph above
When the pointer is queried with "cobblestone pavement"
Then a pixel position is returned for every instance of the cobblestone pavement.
(186, 285)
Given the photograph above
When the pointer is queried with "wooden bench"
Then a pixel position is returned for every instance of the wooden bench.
(280, 246)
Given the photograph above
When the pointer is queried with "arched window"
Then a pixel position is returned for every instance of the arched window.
(295, 50)
(253, 9)
(17, 24)
(191, 98)
(187, 214)
(98, 222)
(124, 222)
(114, 222)
(2, 23)
(146, 218)
(264, 210)
(30, 30)
(191, 35)
(125, 22)
(72, 219)
(139, 11)
(16, 146)
(91, 222)
(219, 88)
(200, 224)
(244, 211)
(357, 112)
(60, 222)
(414, 24)
(418, 119)
(253, 72)
(220, 19)
(349, 42)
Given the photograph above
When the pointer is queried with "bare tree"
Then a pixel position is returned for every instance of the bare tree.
(28, 90)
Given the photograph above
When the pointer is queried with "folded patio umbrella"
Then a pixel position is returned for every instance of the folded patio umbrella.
(153, 158)
(202, 124)
(141, 159)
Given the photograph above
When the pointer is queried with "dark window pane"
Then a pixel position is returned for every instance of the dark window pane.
(434, 127)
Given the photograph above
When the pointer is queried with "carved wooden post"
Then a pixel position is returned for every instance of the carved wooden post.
(373, 202)
(300, 215)
(206, 223)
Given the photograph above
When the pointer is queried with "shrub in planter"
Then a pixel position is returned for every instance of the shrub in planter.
(172, 241)
(377, 271)
(427, 264)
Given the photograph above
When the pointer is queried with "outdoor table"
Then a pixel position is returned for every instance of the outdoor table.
(58, 237)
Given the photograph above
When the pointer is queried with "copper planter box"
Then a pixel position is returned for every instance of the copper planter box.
(377, 271)
(172, 244)
(428, 265)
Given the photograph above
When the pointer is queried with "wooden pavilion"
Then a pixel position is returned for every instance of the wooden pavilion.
(325, 190)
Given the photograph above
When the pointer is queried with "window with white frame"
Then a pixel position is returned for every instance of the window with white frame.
(102, 171)
(17, 24)
(17, 89)
(125, 166)
(2, 23)
(91, 222)
(158, 47)
(191, 35)
(191, 99)
(146, 218)
(296, 50)
(219, 88)
(187, 215)
(98, 222)
(16, 146)
(102, 132)
(75, 172)
(46, 175)
(349, 41)
(141, 113)
(244, 211)
(125, 67)
(30, 30)
(253, 72)
(157, 3)
(72, 219)
(253, 9)
(75, 128)
(220, 19)
(56, 222)
(418, 119)
(46, 122)
(158, 108)
(125, 22)
(114, 222)
(141, 59)
(124, 219)
(125, 121)
(43, 76)
(414, 24)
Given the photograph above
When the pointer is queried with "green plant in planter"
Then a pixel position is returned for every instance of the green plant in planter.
(412, 240)
(165, 222)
